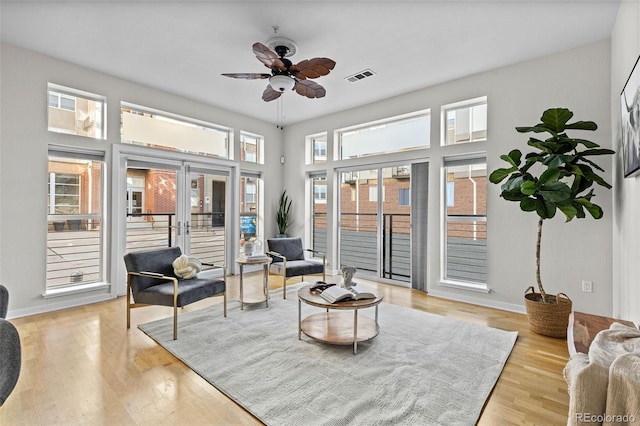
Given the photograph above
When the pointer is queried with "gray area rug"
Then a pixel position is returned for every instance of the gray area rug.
(422, 369)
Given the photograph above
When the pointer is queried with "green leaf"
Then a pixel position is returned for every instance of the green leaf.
(528, 187)
(587, 143)
(548, 176)
(513, 195)
(498, 175)
(545, 210)
(538, 128)
(557, 192)
(598, 151)
(569, 211)
(582, 125)
(528, 204)
(594, 209)
(556, 118)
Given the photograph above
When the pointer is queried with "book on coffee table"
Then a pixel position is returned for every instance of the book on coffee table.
(338, 294)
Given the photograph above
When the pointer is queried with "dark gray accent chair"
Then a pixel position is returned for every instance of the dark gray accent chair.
(152, 281)
(289, 260)
(10, 350)
(4, 301)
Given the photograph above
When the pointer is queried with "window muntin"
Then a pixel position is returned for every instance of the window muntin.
(76, 112)
(392, 135)
(174, 133)
(465, 228)
(465, 122)
(75, 217)
(250, 148)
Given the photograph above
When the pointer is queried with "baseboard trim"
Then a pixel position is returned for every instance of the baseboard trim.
(487, 303)
(50, 307)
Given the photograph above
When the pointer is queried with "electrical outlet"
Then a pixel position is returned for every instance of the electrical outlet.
(587, 286)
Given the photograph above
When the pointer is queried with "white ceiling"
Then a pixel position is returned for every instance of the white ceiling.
(183, 46)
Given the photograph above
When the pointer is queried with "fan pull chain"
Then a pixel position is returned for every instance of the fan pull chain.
(280, 113)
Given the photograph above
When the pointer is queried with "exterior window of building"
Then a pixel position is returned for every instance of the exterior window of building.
(465, 122)
(320, 192)
(249, 206)
(74, 218)
(64, 193)
(404, 196)
(465, 235)
(75, 112)
(163, 130)
(395, 134)
(250, 148)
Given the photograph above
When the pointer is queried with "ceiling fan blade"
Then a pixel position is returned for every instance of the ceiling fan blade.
(268, 57)
(310, 89)
(247, 75)
(314, 68)
(269, 94)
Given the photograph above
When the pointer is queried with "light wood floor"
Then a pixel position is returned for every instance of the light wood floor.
(82, 366)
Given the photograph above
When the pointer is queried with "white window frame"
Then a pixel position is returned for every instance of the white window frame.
(444, 279)
(100, 283)
(98, 119)
(252, 139)
(444, 125)
(374, 125)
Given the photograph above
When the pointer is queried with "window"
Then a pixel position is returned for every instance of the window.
(320, 192)
(75, 112)
(392, 135)
(250, 193)
(64, 193)
(250, 147)
(465, 228)
(171, 132)
(404, 196)
(249, 205)
(319, 213)
(74, 217)
(316, 148)
(465, 121)
(373, 193)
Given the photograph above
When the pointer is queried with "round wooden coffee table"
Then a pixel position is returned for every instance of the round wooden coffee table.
(334, 325)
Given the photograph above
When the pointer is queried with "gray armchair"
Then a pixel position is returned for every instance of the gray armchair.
(10, 350)
(152, 281)
(289, 260)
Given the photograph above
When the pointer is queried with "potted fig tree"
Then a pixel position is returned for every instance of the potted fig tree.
(557, 175)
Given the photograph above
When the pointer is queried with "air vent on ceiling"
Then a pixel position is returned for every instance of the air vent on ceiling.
(360, 76)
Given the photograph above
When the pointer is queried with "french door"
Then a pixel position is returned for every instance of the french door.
(181, 203)
(375, 222)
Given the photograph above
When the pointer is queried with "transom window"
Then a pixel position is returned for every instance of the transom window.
(250, 148)
(465, 121)
(163, 130)
(76, 112)
(404, 133)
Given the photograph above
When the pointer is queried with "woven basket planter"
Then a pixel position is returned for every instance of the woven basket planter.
(551, 318)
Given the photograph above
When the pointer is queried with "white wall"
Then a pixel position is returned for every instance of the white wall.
(625, 48)
(517, 95)
(23, 162)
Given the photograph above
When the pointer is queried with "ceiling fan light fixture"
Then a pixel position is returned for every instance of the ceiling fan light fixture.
(280, 83)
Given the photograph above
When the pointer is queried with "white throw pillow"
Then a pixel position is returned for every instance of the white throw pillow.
(186, 267)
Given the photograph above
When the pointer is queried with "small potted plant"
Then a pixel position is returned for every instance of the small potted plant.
(557, 175)
(283, 215)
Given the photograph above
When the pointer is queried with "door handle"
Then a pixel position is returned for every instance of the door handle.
(178, 229)
(187, 227)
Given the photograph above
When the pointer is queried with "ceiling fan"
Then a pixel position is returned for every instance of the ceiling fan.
(284, 74)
